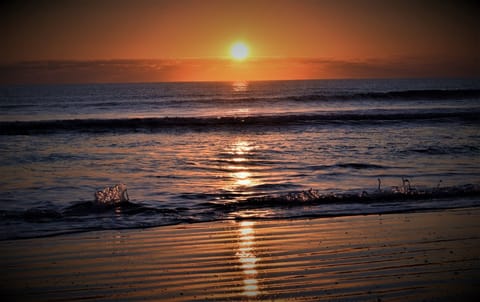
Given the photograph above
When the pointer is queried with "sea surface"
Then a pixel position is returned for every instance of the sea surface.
(194, 152)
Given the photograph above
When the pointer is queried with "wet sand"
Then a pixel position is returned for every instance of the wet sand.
(393, 257)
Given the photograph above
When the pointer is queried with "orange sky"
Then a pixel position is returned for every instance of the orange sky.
(146, 40)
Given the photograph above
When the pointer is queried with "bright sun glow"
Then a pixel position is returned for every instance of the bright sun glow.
(239, 51)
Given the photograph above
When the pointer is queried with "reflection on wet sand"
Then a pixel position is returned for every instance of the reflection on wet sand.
(354, 258)
(247, 258)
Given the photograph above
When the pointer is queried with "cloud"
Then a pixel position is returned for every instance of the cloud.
(399, 67)
(86, 71)
(212, 69)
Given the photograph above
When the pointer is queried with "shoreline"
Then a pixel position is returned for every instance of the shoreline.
(432, 255)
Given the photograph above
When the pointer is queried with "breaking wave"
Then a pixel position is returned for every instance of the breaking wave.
(92, 215)
(428, 94)
(213, 123)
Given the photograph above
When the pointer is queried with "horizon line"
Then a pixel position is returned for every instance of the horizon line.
(222, 69)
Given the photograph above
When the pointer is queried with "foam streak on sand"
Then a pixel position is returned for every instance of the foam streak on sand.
(404, 257)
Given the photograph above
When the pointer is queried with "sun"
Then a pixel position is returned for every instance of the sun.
(239, 51)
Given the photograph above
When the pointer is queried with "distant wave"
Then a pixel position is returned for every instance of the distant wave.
(206, 123)
(442, 150)
(319, 96)
(433, 94)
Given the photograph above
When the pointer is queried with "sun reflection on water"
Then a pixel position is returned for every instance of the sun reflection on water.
(239, 169)
(242, 178)
(247, 258)
(242, 147)
(240, 86)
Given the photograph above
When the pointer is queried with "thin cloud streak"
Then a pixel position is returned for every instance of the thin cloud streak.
(172, 70)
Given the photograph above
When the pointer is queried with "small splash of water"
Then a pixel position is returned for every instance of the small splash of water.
(112, 195)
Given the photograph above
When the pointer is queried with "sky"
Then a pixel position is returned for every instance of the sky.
(185, 40)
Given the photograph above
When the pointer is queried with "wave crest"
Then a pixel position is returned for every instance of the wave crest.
(91, 215)
(213, 123)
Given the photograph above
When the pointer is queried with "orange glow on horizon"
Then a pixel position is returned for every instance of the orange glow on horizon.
(158, 41)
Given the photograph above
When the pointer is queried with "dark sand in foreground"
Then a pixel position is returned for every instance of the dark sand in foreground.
(404, 257)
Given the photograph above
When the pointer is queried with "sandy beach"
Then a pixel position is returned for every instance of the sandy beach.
(223, 150)
(392, 257)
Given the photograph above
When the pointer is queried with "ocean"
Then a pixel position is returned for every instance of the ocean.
(195, 152)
